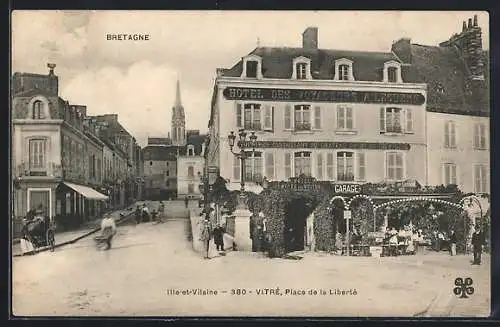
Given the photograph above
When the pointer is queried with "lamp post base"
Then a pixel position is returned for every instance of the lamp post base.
(241, 202)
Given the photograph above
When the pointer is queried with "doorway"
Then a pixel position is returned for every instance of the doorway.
(296, 213)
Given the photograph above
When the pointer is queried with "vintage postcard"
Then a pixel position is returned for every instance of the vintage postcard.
(259, 164)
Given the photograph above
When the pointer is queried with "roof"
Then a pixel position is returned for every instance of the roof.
(277, 62)
(159, 153)
(195, 140)
(445, 74)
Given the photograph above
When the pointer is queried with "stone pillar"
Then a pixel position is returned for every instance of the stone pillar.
(242, 230)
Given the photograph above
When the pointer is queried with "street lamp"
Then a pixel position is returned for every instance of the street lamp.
(242, 155)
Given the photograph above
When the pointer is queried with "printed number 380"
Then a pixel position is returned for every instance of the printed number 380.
(238, 291)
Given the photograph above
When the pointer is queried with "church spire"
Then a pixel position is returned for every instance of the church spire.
(178, 102)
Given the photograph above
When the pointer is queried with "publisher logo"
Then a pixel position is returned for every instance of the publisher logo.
(463, 287)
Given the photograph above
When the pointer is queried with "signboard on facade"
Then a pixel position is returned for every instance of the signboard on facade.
(327, 145)
(347, 214)
(299, 95)
(347, 188)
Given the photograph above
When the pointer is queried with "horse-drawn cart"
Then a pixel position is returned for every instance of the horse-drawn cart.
(37, 233)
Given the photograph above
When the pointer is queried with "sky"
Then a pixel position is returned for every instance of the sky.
(136, 79)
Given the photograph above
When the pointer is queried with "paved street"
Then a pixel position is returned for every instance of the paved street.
(149, 263)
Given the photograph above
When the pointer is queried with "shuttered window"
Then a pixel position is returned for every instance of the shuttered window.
(288, 165)
(329, 166)
(319, 166)
(361, 167)
(270, 165)
(317, 117)
(288, 116)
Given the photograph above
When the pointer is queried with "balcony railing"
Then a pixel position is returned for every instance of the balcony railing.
(302, 126)
(345, 177)
(252, 126)
(51, 169)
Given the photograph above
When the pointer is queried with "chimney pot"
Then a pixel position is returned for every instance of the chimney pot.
(51, 68)
(470, 23)
(475, 20)
(464, 26)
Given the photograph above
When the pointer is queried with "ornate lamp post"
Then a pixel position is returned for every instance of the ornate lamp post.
(242, 155)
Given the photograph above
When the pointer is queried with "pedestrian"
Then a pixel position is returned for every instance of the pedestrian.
(205, 236)
(161, 210)
(186, 202)
(453, 243)
(477, 244)
(138, 215)
(440, 241)
(338, 242)
(145, 212)
(219, 237)
(108, 230)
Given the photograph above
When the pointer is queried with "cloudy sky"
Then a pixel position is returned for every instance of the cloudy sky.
(137, 79)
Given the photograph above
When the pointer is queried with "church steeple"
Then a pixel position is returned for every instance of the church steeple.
(178, 119)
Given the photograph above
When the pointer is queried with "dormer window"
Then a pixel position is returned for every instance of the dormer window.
(252, 67)
(392, 72)
(38, 110)
(343, 70)
(301, 68)
(190, 150)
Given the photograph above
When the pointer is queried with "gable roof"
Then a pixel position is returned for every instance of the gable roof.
(159, 153)
(277, 62)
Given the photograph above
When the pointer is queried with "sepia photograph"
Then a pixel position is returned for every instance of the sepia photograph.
(250, 164)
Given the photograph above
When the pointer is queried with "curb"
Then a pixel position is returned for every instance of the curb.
(46, 248)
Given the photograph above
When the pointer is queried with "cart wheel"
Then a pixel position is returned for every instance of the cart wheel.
(51, 241)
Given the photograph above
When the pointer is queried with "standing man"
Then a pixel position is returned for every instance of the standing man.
(219, 237)
(453, 243)
(108, 229)
(161, 210)
(477, 243)
(205, 236)
(186, 202)
(138, 215)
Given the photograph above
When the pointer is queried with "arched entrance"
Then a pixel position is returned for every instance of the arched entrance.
(337, 207)
(297, 209)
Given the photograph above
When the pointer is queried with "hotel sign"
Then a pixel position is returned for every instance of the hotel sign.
(327, 145)
(299, 95)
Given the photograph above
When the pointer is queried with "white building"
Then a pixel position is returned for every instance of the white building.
(190, 166)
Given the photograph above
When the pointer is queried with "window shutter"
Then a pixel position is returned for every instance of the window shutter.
(447, 134)
(477, 179)
(269, 165)
(319, 166)
(340, 118)
(361, 166)
(236, 168)
(329, 166)
(239, 115)
(349, 118)
(452, 134)
(288, 116)
(476, 136)
(288, 165)
(317, 117)
(268, 117)
(382, 120)
(272, 118)
(409, 121)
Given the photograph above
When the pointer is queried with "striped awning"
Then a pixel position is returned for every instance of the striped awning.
(87, 192)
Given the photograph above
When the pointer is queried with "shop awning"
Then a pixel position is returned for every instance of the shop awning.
(86, 191)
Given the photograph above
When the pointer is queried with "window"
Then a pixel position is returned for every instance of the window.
(361, 167)
(480, 179)
(253, 167)
(392, 74)
(150, 163)
(345, 118)
(302, 163)
(480, 136)
(190, 188)
(37, 153)
(38, 110)
(345, 166)
(190, 171)
(302, 119)
(450, 134)
(394, 163)
(450, 174)
(301, 70)
(98, 169)
(329, 166)
(270, 165)
(249, 117)
(288, 165)
(288, 117)
(190, 150)
(344, 72)
(168, 173)
(236, 168)
(391, 120)
(319, 166)
(251, 67)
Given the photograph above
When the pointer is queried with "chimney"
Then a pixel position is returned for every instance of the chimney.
(469, 44)
(310, 38)
(53, 80)
(402, 49)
